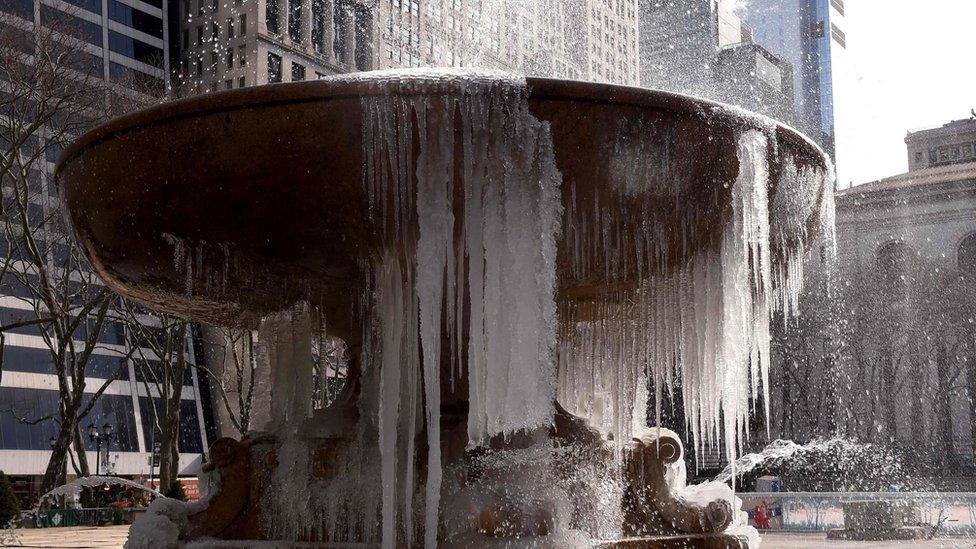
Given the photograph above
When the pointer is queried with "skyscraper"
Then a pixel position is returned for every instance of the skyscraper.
(703, 48)
(583, 40)
(810, 35)
(240, 43)
(237, 43)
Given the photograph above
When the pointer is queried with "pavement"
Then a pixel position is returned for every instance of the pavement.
(75, 537)
(113, 537)
(813, 540)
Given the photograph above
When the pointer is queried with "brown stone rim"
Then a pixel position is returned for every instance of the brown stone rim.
(328, 89)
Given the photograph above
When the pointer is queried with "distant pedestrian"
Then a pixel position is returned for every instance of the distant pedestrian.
(762, 515)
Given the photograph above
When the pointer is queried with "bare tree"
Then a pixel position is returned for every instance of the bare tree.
(51, 92)
(159, 344)
(230, 366)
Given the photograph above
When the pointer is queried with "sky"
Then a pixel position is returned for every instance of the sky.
(912, 65)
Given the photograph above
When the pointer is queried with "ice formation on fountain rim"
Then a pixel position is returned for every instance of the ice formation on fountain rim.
(706, 321)
(507, 236)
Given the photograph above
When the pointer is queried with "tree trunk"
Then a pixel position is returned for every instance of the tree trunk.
(971, 377)
(169, 456)
(830, 425)
(918, 394)
(169, 453)
(890, 403)
(54, 474)
(944, 408)
(82, 457)
(786, 421)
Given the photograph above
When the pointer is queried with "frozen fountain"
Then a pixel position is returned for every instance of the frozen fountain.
(513, 260)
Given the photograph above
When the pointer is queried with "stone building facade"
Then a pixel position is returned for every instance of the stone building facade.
(238, 43)
(585, 40)
(914, 230)
(951, 143)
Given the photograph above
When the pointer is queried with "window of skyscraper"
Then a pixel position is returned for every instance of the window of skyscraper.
(274, 67)
(297, 72)
(21, 8)
(117, 411)
(79, 28)
(318, 25)
(139, 80)
(94, 6)
(137, 19)
(295, 20)
(271, 17)
(135, 49)
(189, 441)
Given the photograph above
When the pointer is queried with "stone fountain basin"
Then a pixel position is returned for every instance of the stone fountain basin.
(260, 190)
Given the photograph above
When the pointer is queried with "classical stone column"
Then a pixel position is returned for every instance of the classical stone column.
(307, 23)
(363, 33)
(328, 28)
(348, 37)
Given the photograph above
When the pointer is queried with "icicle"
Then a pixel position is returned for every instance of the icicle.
(511, 216)
(705, 320)
(435, 251)
(390, 305)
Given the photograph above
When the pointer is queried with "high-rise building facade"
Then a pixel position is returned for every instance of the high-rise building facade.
(703, 48)
(238, 43)
(810, 34)
(585, 40)
(122, 42)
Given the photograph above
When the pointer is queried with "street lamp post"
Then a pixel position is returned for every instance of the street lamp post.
(98, 437)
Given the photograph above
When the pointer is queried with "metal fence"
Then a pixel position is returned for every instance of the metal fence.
(95, 516)
(954, 512)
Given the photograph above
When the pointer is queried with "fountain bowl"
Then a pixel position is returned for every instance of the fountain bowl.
(229, 206)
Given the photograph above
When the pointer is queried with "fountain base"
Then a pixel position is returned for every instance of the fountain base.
(652, 515)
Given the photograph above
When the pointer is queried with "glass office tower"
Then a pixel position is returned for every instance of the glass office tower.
(810, 35)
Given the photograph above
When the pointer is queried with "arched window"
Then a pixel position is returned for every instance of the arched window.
(895, 261)
(966, 256)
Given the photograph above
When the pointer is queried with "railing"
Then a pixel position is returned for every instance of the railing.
(94, 516)
(954, 512)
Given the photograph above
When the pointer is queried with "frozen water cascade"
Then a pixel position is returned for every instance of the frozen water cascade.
(706, 320)
(510, 203)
